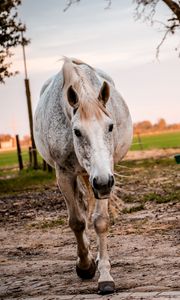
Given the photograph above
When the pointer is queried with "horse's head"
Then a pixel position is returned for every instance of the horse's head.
(93, 137)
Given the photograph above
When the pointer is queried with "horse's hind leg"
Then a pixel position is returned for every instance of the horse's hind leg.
(67, 183)
(101, 223)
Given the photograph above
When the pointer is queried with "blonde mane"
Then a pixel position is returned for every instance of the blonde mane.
(74, 76)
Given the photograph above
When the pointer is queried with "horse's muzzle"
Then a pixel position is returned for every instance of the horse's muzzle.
(101, 188)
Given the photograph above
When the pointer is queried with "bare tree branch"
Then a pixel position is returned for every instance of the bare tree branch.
(146, 10)
(69, 3)
(161, 42)
(175, 7)
(109, 3)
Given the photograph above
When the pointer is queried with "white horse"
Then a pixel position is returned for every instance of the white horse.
(82, 127)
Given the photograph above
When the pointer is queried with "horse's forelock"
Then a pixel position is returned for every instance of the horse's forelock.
(68, 74)
(88, 109)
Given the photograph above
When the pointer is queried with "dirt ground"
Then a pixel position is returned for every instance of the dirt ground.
(38, 250)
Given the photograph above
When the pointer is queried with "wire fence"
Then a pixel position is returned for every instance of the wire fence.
(8, 159)
(168, 140)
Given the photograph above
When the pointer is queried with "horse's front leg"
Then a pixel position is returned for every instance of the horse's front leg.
(67, 183)
(101, 223)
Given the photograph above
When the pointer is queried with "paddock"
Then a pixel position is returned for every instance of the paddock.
(38, 250)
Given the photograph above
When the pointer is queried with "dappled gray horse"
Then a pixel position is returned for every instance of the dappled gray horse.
(82, 127)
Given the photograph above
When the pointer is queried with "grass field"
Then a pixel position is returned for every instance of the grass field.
(9, 158)
(28, 180)
(156, 141)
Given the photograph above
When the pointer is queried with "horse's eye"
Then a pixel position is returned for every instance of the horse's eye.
(77, 132)
(110, 127)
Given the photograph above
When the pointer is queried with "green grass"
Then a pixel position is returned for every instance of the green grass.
(133, 209)
(10, 159)
(167, 197)
(25, 180)
(47, 224)
(146, 163)
(157, 141)
(163, 140)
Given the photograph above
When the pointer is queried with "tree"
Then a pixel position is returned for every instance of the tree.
(142, 127)
(5, 137)
(10, 35)
(161, 125)
(146, 9)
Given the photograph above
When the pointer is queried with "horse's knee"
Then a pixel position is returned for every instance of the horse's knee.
(101, 223)
(76, 224)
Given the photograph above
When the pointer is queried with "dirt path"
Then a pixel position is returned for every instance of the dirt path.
(38, 250)
(154, 153)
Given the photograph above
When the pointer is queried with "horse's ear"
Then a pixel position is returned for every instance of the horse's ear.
(104, 93)
(72, 97)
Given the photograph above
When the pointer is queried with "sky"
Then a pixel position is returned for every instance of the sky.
(108, 39)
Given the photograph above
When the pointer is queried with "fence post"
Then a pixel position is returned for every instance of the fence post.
(44, 165)
(30, 156)
(139, 141)
(28, 96)
(49, 168)
(19, 153)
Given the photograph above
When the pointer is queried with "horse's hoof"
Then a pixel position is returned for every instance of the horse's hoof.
(106, 287)
(87, 273)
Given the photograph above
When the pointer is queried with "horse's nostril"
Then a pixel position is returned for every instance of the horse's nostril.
(101, 185)
(95, 184)
(111, 181)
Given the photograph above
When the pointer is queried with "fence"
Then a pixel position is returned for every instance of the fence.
(140, 142)
(163, 140)
(24, 158)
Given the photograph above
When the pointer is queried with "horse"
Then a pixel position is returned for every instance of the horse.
(82, 128)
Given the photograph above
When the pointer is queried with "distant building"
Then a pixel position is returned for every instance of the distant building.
(6, 144)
